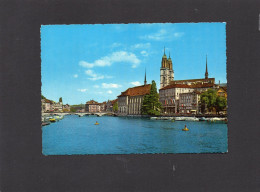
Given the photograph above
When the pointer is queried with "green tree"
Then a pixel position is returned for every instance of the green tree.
(72, 109)
(151, 104)
(221, 103)
(208, 99)
(115, 107)
(60, 99)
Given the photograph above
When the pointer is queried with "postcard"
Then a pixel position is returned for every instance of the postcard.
(134, 88)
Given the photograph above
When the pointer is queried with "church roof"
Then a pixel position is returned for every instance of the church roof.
(135, 91)
(204, 85)
(193, 80)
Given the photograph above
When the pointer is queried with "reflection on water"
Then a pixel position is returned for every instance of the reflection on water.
(122, 135)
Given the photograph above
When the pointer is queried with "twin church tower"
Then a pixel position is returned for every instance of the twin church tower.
(166, 71)
(167, 74)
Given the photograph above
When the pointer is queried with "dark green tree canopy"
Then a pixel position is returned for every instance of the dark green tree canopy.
(60, 99)
(209, 99)
(151, 104)
(115, 107)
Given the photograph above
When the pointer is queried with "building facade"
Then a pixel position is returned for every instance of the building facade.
(222, 92)
(66, 108)
(57, 106)
(92, 106)
(130, 101)
(189, 102)
(47, 105)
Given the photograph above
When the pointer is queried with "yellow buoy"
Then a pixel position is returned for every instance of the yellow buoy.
(185, 128)
(96, 123)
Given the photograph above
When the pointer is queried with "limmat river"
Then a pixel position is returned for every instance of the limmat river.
(128, 135)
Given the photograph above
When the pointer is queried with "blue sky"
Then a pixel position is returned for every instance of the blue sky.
(83, 62)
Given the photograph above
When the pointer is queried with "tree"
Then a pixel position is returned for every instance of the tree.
(115, 107)
(72, 109)
(208, 99)
(43, 97)
(60, 99)
(151, 104)
(221, 103)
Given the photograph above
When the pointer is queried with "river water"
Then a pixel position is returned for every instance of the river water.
(127, 135)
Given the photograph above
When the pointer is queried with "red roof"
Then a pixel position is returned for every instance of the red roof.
(194, 80)
(92, 102)
(135, 91)
(114, 101)
(204, 85)
(48, 101)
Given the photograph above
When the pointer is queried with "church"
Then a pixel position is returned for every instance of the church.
(181, 96)
(130, 101)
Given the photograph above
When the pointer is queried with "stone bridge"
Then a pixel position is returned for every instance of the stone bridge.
(82, 114)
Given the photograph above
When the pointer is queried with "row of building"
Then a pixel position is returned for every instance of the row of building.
(90, 106)
(52, 106)
(176, 96)
(93, 106)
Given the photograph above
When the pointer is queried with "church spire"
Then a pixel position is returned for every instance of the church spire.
(206, 73)
(145, 77)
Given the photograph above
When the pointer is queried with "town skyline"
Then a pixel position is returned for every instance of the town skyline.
(104, 66)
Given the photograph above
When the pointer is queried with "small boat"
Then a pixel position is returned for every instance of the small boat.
(179, 119)
(52, 120)
(185, 128)
(45, 123)
(202, 119)
(191, 119)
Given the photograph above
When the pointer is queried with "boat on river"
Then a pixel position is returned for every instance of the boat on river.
(45, 123)
(214, 119)
(179, 118)
(185, 128)
(52, 120)
(191, 119)
(202, 119)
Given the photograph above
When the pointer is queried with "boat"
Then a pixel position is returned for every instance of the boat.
(179, 119)
(52, 120)
(191, 119)
(45, 123)
(214, 119)
(185, 128)
(96, 123)
(202, 119)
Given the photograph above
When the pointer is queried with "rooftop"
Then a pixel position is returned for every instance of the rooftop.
(135, 91)
(204, 85)
(193, 80)
(92, 102)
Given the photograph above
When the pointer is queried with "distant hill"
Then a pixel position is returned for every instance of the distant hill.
(78, 106)
(223, 84)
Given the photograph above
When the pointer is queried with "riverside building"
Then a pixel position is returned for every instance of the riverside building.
(181, 96)
(92, 106)
(130, 101)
